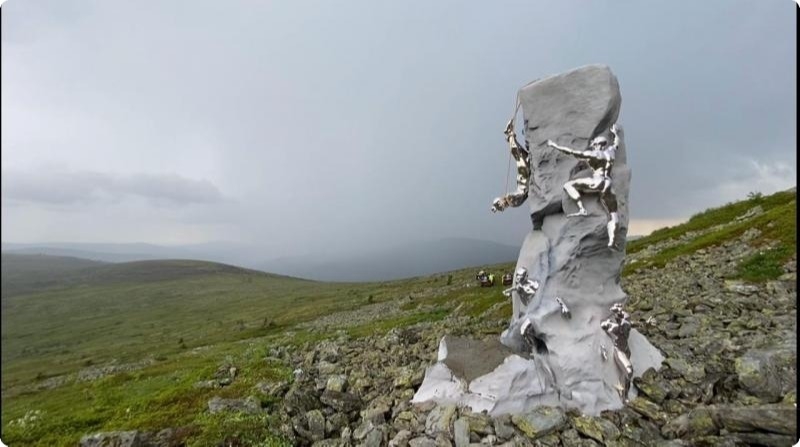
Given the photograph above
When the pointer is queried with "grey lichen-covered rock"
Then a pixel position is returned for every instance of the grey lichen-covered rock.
(461, 432)
(570, 259)
(336, 383)
(440, 420)
(249, 405)
(596, 428)
(780, 419)
(650, 385)
(769, 373)
(696, 423)
(344, 402)
(540, 421)
(401, 439)
(503, 428)
(299, 400)
(647, 409)
(316, 424)
(422, 442)
(113, 439)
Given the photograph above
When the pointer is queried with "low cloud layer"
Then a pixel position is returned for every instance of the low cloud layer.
(64, 188)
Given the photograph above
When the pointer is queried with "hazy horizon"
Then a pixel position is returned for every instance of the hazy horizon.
(310, 126)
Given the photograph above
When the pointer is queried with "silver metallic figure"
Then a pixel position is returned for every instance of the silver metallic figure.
(532, 339)
(565, 313)
(522, 157)
(618, 327)
(525, 288)
(600, 157)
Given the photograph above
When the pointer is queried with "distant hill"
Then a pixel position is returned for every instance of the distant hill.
(380, 264)
(415, 259)
(246, 255)
(24, 273)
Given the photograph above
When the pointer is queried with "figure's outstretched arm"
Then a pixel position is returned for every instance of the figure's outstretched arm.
(566, 150)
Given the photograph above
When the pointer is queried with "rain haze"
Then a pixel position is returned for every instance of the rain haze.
(339, 127)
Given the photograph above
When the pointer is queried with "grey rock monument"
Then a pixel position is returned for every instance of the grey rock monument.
(556, 350)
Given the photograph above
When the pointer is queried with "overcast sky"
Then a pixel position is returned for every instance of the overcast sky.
(309, 124)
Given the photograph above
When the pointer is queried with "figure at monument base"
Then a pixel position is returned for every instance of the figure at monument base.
(569, 342)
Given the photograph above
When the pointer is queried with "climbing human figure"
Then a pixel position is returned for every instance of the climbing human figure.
(522, 158)
(600, 157)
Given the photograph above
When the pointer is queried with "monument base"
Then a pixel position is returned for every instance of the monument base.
(488, 376)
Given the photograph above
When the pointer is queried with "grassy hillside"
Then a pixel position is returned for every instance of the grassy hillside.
(25, 273)
(771, 219)
(125, 348)
(124, 312)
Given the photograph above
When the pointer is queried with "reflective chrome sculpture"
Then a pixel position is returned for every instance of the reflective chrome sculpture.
(600, 157)
(533, 340)
(564, 309)
(525, 288)
(618, 327)
(522, 157)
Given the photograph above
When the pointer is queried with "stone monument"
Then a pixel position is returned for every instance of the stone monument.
(569, 342)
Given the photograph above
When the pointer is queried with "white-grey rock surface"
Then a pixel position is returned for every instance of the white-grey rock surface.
(570, 259)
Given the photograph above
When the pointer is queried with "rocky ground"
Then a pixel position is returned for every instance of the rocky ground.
(729, 377)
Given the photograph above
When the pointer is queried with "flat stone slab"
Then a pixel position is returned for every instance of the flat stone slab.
(469, 359)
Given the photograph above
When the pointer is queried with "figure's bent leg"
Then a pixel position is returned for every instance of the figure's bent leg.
(572, 192)
(626, 368)
(610, 201)
(611, 226)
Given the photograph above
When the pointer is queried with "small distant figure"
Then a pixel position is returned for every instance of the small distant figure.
(525, 288)
(485, 280)
(508, 279)
(600, 157)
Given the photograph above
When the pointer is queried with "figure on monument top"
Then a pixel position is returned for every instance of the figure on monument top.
(522, 157)
(600, 157)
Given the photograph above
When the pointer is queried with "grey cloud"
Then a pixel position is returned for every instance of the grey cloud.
(339, 125)
(172, 189)
(62, 187)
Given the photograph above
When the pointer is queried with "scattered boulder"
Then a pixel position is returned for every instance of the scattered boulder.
(299, 400)
(316, 424)
(249, 405)
(336, 383)
(596, 428)
(769, 373)
(113, 439)
(340, 401)
(440, 420)
(539, 421)
(780, 419)
(461, 432)
(690, 425)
